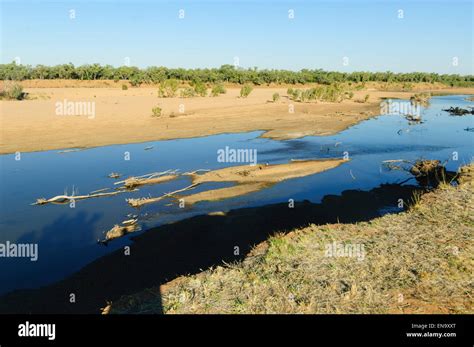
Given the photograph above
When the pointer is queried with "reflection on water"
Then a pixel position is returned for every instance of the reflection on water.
(67, 237)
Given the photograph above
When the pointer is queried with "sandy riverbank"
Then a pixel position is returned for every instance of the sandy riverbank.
(124, 116)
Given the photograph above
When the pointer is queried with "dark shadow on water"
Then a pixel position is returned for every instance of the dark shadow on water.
(77, 227)
(192, 245)
(60, 244)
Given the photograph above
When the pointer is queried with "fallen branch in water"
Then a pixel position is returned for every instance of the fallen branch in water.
(144, 201)
(129, 226)
(152, 178)
(426, 172)
(458, 111)
(64, 199)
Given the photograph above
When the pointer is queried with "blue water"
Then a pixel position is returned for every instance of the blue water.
(67, 237)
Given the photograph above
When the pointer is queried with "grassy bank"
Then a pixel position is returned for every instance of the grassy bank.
(418, 261)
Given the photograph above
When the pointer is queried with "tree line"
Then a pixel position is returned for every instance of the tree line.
(225, 73)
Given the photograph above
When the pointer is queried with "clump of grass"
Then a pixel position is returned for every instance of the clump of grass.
(156, 111)
(200, 88)
(245, 90)
(218, 89)
(188, 92)
(124, 87)
(168, 88)
(293, 94)
(276, 97)
(12, 91)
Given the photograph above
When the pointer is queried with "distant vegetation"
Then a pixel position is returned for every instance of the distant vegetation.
(226, 74)
(332, 93)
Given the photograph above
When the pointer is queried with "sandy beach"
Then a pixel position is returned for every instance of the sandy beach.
(125, 116)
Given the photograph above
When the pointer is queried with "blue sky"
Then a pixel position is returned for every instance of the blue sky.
(259, 33)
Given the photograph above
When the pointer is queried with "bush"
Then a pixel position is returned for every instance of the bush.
(245, 90)
(124, 87)
(218, 89)
(12, 91)
(276, 97)
(156, 111)
(135, 81)
(168, 88)
(200, 88)
(188, 92)
(293, 94)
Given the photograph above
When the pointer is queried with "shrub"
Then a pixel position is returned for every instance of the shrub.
(218, 89)
(188, 92)
(200, 88)
(276, 97)
(304, 95)
(245, 90)
(124, 87)
(135, 81)
(293, 94)
(156, 111)
(12, 91)
(350, 95)
(168, 88)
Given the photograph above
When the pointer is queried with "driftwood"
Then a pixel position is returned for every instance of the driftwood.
(114, 175)
(145, 201)
(128, 226)
(413, 119)
(426, 172)
(71, 150)
(459, 111)
(65, 199)
(152, 178)
(107, 308)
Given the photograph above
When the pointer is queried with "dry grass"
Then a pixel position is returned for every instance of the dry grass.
(419, 261)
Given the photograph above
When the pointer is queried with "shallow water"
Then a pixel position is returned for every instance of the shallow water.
(67, 237)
